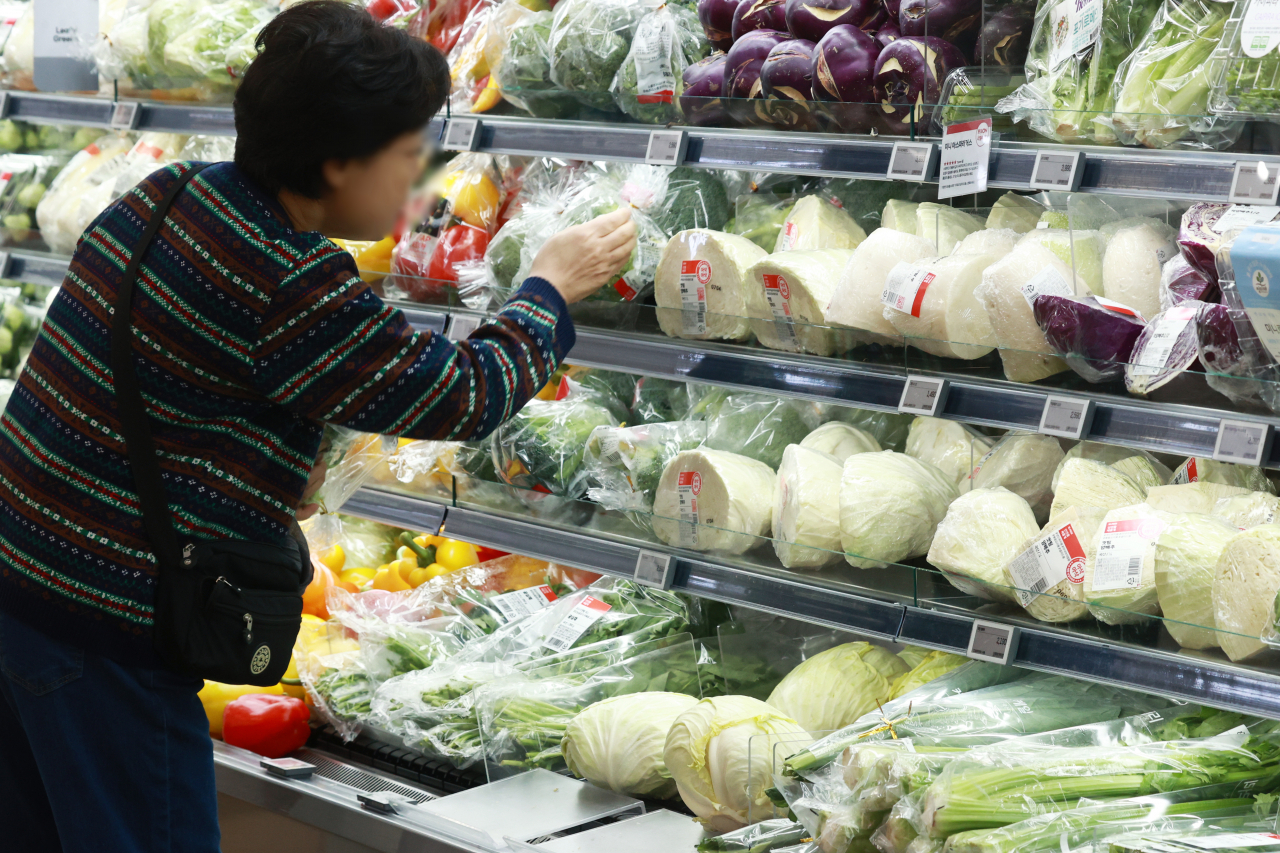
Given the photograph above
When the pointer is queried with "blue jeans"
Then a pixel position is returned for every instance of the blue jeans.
(96, 757)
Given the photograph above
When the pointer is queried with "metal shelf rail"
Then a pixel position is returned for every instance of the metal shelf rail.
(1159, 174)
(1189, 676)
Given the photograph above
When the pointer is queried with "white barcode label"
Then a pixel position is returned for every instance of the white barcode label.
(651, 50)
(579, 620)
(1169, 326)
(1124, 544)
(609, 443)
(522, 602)
(1055, 557)
(1242, 216)
(1232, 839)
(688, 485)
(790, 236)
(777, 292)
(1186, 473)
(905, 287)
(695, 276)
(1047, 282)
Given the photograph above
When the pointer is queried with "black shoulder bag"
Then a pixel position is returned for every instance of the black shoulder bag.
(225, 609)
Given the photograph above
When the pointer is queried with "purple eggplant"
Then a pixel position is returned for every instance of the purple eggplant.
(786, 81)
(956, 21)
(742, 73)
(909, 75)
(811, 19)
(716, 17)
(1005, 37)
(887, 33)
(703, 85)
(759, 15)
(844, 66)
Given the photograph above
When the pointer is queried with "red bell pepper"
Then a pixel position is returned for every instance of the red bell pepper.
(457, 244)
(270, 725)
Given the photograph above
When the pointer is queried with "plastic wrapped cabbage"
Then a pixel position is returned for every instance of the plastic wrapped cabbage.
(1024, 464)
(711, 500)
(890, 506)
(1120, 580)
(1200, 469)
(622, 465)
(982, 531)
(841, 440)
(835, 687)
(947, 445)
(1244, 590)
(1047, 573)
(715, 309)
(1095, 338)
(788, 299)
(1087, 482)
(806, 508)
(1247, 510)
(815, 223)
(617, 743)
(1186, 556)
(200, 50)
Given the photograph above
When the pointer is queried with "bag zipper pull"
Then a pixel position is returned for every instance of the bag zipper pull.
(248, 628)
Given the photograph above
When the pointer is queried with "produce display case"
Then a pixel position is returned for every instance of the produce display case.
(1164, 105)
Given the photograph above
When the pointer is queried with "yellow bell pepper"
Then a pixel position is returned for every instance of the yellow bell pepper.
(404, 552)
(290, 683)
(454, 555)
(435, 570)
(389, 579)
(334, 559)
(359, 576)
(214, 696)
(420, 576)
(426, 541)
(490, 96)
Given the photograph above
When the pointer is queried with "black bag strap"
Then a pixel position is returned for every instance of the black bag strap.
(134, 424)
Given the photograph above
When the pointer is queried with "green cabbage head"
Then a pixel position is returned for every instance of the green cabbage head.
(833, 688)
(617, 743)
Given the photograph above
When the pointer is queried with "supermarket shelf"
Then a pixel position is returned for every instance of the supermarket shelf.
(1160, 174)
(36, 268)
(1181, 675)
(1160, 428)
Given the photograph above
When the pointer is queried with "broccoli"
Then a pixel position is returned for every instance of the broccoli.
(612, 390)
(660, 400)
(525, 72)
(695, 199)
(31, 138)
(30, 195)
(674, 36)
(589, 41)
(541, 447)
(503, 255)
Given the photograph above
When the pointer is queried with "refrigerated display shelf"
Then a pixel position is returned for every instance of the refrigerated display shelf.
(405, 763)
(1202, 176)
(927, 620)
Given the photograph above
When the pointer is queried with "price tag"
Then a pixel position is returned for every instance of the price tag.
(1055, 557)
(1066, 417)
(966, 156)
(461, 134)
(991, 641)
(666, 148)
(124, 115)
(912, 161)
(288, 768)
(654, 569)
(922, 396)
(1245, 442)
(462, 325)
(1254, 182)
(1057, 170)
(523, 602)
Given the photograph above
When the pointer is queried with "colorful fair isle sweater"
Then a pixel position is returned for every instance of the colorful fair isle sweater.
(248, 337)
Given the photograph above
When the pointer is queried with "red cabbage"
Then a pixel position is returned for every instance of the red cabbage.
(1095, 341)
(1236, 363)
(1165, 349)
(1197, 238)
(1181, 282)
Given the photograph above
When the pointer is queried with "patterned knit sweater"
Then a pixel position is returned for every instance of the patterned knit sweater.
(248, 336)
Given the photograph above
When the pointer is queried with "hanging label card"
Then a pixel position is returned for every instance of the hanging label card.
(64, 33)
(578, 621)
(966, 156)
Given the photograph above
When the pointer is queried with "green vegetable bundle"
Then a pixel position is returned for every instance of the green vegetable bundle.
(524, 74)
(347, 692)
(753, 425)
(588, 42)
(756, 837)
(1162, 88)
(541, 447)
(650, 79)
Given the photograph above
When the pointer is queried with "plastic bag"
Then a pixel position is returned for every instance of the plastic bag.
(331, 670)
(524, 73)
(650, 80)
(1161, 90)
(19, 326)
(622, 465)
(523, 717)
(542, 446)
(752, 424)
(661, 400)
(198, 54)
(756, 838)
(588, 43)
(1069, 80)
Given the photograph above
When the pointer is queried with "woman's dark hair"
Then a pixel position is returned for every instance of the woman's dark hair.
(330, 82)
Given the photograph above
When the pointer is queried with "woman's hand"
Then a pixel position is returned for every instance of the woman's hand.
(580, 260)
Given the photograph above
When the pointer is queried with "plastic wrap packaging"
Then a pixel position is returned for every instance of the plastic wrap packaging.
(1247, 510)
(788, 299)
(1119, 582)
(806, 508)
(650, 79)
(524, 717)
(711, 500)
(1047, 575)
(1110, 454)
(855, 303)
(890, 506)
(19, 326)
(1244, 66)
(814, 223)
(753, 424)
(433, 711)
(542, 447)
(1161, 90)
(836, 687)
(759, 214)
(588, 42)
(331, 670)
(1203, 232)
(1007, 291)
(351, 459)
(524, 74)
(951, 447)
(1023, 463)
(1095, 338)
(1068, 95)
(1186, 556)
(943, 315)
(617, 743)
(57, 212)
(944, 226)
(1090, 483)
(1244, 590)
(992, 788)
(1164, 353)
(1131, 267)
(756, 838)
(1200, 469)
(661, 400)
(1236, 363)
(1199, 497)
(758, 650)
(982, 531)
(1019, 213)
(702, 285)
(29, 177)
(622, 465)
(890, 429)
(840, 440)
(1079, 249)
(1181, 282)
(209, 53)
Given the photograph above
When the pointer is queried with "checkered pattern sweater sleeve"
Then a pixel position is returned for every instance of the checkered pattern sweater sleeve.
(248, 337)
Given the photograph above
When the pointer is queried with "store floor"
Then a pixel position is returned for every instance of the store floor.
(246, 828)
